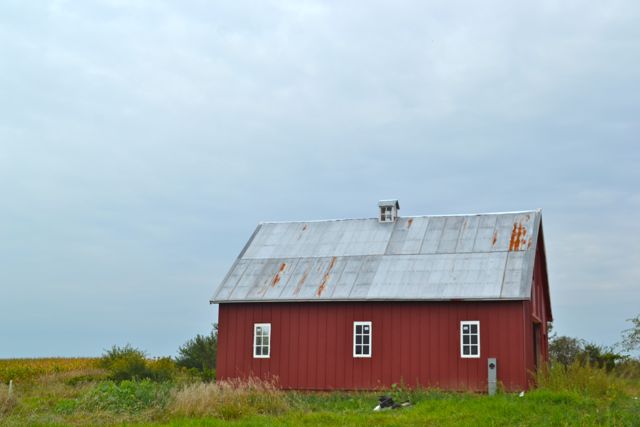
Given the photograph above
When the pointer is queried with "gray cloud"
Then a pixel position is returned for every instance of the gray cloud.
(140, 144)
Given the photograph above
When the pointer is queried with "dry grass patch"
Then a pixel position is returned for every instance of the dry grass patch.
(230, 399)
(7, 402)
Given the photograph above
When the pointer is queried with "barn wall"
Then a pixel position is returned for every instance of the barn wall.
(538, 310)
(417, 343)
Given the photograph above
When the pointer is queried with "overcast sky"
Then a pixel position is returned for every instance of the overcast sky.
(141, 143)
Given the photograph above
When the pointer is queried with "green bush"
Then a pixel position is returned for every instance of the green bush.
(602, 357)
(128, 363)
(66, 406)
(200, 353)
(126, 396)
(565, 350)
(162, 369)
(631, 336)
(125, 363)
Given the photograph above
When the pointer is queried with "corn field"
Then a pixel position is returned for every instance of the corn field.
(29, 369)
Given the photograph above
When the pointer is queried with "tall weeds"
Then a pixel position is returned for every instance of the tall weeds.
(7, 402)
(230, 399)
(580, 378)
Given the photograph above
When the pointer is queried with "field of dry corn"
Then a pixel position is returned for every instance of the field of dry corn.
(28, 369)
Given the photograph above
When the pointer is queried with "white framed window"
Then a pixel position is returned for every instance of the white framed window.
(362, 339)
(386, 214)
(470, 339)
(261, 340)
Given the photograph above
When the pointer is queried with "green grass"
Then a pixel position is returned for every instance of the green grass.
(537, 408)
(574, 396)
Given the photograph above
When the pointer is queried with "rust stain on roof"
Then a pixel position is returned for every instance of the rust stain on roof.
(300, 283)
(325, 278)
(304, 228)
(495, 238)
(276, 278)
(518, 237)
(409, 222)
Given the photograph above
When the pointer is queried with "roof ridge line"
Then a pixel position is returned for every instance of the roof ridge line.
(538, 210)
(365, 255)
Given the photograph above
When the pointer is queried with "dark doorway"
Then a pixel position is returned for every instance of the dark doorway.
(536, 345)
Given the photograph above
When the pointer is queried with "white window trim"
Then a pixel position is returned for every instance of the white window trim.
(469, 322)
(255, 329)
(370, 339)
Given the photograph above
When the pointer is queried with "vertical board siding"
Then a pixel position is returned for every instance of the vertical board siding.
(414, 343)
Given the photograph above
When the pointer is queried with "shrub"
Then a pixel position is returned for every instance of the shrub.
(631, 336)
(128, 363)
(200, 353)
(229, 399)
(126, 396)
(66, 406)
(125, 363)
(565, 350)
(601, 357)
(162, 369)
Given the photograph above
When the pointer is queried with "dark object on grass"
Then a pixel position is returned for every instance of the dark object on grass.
(386, 402)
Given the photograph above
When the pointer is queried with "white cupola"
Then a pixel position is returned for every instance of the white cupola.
(388, 210)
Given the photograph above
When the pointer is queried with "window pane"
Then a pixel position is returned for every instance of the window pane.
(258, 341)
(465, 339)
(265, 341)
(258, 351)
(474, 350)
(358, 329)
(465, 329)
(465, 350)
(366, 329)
(266, 329)
(358, 349)
(258, 330)
(365, 339)
(474, 339)
(265, 351)
(358, 339)
(474, 329)
(365, 349)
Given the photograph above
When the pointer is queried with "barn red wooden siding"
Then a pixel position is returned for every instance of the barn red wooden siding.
(538, 311)
(417, 343)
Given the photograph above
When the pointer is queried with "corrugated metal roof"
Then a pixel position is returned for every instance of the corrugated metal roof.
(484, 256)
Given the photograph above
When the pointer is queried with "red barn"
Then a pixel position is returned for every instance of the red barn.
(365, 303)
